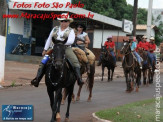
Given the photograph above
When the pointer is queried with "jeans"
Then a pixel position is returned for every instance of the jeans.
(137, 56)
(114, 58)
(152, 57)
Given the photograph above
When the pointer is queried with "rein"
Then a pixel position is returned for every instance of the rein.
(61, 75)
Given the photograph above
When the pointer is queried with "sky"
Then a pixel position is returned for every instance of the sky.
(144, 3)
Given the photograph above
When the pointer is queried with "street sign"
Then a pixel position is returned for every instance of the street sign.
(127, 26)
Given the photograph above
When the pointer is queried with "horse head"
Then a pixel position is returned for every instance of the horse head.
(104, 51)
(125, 47)
(58, 54)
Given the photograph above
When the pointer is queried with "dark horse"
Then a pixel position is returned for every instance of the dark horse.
(107, 61)
(59, 74)
(148, 72)
(131, 67)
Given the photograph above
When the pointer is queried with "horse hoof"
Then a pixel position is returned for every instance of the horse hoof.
(78, 98)
(128, 91)
(58, 120)
(67, 120)
(63, 102)
(89, 100)
(73, 100)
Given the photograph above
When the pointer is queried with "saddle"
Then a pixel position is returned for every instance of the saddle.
(82, 56)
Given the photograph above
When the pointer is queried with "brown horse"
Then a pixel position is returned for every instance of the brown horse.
(147, 72)
(131, 67)
(89, 80)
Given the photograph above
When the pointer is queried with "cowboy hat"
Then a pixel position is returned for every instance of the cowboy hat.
(131, 38)
(152, 38)
(109, 37)
(144, 37)
(65, 16)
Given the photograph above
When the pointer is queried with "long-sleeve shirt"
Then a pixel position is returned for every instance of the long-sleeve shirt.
(60, 33)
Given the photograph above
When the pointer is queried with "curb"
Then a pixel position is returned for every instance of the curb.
(96, 119)
(19, 84)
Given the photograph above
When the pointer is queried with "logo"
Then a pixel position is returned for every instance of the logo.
(17, 112)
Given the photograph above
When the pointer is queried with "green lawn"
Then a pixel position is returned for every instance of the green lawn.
(142, 111)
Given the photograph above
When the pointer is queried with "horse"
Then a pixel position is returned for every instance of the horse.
(89, 80)
(59, 74)
(131, 67)
(147, 72)
(107, 61)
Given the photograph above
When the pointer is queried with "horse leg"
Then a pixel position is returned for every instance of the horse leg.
(78, 94)
(131, 76)
(70, 92)
(58, 117)
(127, 85)
(138, 78)
(51, 96)
(64, 96)
(73, 98)
(108, 74)
(102, 72)
(112, 74)
(144, 77)
(90, 83)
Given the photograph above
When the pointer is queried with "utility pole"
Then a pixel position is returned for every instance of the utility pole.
(3, 8)
(149, 19)
(135, 17)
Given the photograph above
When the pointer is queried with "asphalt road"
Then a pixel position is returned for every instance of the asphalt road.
(105, 95)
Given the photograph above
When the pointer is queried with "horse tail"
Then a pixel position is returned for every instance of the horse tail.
(90, 77)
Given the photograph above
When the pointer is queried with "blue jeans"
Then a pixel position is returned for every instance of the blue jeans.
(114, 58)
(137, 56)
(152, 57)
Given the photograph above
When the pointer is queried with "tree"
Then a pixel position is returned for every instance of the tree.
(3, 8)
(117, 9)
(159, 33)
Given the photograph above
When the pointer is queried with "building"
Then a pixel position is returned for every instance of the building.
(36, 31)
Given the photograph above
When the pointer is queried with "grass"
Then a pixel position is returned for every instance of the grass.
(13, 83)
(142, 111)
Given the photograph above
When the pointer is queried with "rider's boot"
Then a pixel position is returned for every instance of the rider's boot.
(78, 75)
(40, 74)
(88, 67)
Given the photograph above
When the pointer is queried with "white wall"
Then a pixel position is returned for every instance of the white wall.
(98, 36)
(16, 25)
(2, 57)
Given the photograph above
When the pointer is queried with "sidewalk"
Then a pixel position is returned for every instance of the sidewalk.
(18, 74)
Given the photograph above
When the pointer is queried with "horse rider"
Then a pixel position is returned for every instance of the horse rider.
(110, 46)
(152, 48)
(82, 41)
(143, 44)
(61, 33)
(133, 45)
